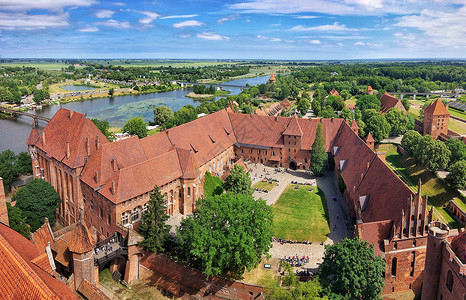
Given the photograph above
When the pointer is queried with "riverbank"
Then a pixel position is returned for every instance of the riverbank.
(206, 97)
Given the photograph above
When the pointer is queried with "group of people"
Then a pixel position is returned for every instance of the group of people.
(290, 241)
(106, 247)
(296, 261)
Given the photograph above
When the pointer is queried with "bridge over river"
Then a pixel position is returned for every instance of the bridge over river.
(15, 113)
(213, 84)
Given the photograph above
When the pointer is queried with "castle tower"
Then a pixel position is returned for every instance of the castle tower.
(3, 208)
(370, 141)
(272, 78)
(354, 126)
(436, 118)
(81, 246)
(437, 233)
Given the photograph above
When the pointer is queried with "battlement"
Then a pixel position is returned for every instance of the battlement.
(438, 229)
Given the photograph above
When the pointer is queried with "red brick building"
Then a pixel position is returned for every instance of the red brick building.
(334, 92)
(445, 268)
(436, 118)
(388, 101)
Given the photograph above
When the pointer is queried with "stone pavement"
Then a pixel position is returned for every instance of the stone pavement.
(395, 139)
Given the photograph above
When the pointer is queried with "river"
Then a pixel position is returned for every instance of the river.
(116, 110)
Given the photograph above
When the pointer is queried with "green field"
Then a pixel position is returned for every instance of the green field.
(301, 215)
(457, 113)
(437, 191)
(264, 185)
(50, 66)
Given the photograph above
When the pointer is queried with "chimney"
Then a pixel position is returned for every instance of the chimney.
(114, 165)
(43, 138)
(88, 147)
(362, 175)
(97, 142)
(71, 114)
(68, 150)
(96, 177)
(368, 165)
(113, 188)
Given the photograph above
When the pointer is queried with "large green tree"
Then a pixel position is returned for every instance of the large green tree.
(378, 126)
(162, 114)
(136, 126)
(104, 127)
(303, 105)
(457, 175)
(368, 102)
(227, 232)
(410, 141)
(37, 200)
(398, 121)
(457, 149)
(12, 165)
(238, 182)
(318, 154)
(153, 225)
(17, 221)
(351, 270)
(434, 155)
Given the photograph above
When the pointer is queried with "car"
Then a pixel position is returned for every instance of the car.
(334, 198)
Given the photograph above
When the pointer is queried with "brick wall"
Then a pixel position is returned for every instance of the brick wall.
(189, 283)
(3, 209)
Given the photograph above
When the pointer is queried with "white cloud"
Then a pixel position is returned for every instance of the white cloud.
(306, 17)
(264, 38)
(212, 36)
(439, 28)
(179, 17)
(334, 27)
(189, 23)
(360, 43)
(376, 45)
(119, 3)
(89, 29)
(20, 20)
(150, 16)
(289, 41)
(314, 42)
(184, 36)
(104, 13)
(228, 18)
(114, 24)
(339, 44)
(52, 5)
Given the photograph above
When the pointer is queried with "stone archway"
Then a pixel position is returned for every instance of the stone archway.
(293, 165)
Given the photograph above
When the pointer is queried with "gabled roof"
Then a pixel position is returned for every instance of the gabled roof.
(285, 103)
(187, 164)
(21, 275)
(334, 92)
(33, 137)
(70, 127)
(375, 233)
(436, 108)
(81, 240)
(369, 138)
(369, 88)
(387, 102)
(458, 245)
(293, 127)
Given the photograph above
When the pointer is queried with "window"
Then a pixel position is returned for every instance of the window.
(165, 198)
(395, 245)
(92, 205)
(449, 281)
(412, 263)
(144, 208)
(125, 218)
(101, 213)
(84, 199)
(109, 220)
(394, 261)
(135, 214)
(189, 191)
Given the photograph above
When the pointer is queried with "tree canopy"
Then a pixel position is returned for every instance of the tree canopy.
(12, 165)
(238, 182)
(303, 105)
(368, 102)
(227, 232)
(457, 149)
(351, 270)
(457, 175)
(37, 200)
(17, 222)
(136, 126)
(398, 120)
(318, 154)
(410, 141)
(434, 155)
(162, 114)
(378, 126)
(153, 227)
(104, 127)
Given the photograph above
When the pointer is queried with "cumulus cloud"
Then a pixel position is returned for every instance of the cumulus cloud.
(212, 36)
(89, 29)
(52, 5)
(179, 17)
(264, 38)
(334, 27)
(104, 13)
(115, 24)
(306, 17)
(119, 3)
(20, 20)
(228, 18)
(377, 45)
(189, 23)
(314, 42)
(150, 16)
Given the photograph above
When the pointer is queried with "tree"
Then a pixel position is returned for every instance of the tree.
(410, 141)
(104, 127)
(37, 200)
(335, 102)
(136, 126)
(457, 149)
(162, 114)
(368, 102)
(457, 175)
(223, 236)
(378, 126)
(434, 155)
(405, 103)
(346, 114)
(247, 109)
(350, 269)
(17, 221)
(362, 128)
(7, 168)
(316, 107)
(303, 105)
(345, 94)
(318, 154)
(111, 91)
(398, 120)
(153, 225)
(238, 182)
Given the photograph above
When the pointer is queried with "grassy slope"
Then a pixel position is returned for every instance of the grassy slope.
(437, 191)
(301, 215)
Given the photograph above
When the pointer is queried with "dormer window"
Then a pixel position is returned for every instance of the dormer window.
(363, 201)
(342, 164)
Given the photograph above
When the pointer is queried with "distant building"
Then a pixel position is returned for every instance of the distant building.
(369, 90)
(272, 79)
(388, 102)
(445, 266)
(334, 92)
(436, 119)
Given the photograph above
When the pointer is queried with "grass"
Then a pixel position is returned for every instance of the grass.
(262, 276)
(40, 65)
(457, 126)
(301, 215)
(211, 184)
(457, 113)
(460, 203)
(154, 131)
(438, 192)
(264, 185)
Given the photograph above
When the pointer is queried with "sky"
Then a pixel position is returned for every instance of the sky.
(233, 29)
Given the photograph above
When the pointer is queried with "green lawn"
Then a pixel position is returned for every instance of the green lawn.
(212, 185)
(437, 191)
(457, 113)
(264, 185)
(301, 215)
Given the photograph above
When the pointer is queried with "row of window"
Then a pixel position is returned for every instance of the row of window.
(133, 215)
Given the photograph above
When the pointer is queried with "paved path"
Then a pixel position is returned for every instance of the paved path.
(396, 139)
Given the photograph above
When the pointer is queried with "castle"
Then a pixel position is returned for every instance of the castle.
(111, 182)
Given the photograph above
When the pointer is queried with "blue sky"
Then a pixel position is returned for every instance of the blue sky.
(249, 29)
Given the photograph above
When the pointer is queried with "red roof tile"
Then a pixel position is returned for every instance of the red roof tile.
(43, 236)
(293, 127)
(81, 240)
(91, 292)
(375, 233)
(33, 137)
(458, 245)
(436, 108)
(369, 138)
(388, 101)
(334, 92)
(187, 164)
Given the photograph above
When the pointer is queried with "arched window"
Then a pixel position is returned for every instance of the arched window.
(450, 280)
(135, 215)
(124, 218)
(394, 261)
(414, 243)
(189, 191)
(165, 198)
(395, 245)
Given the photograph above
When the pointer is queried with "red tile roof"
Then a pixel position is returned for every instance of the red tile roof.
(22, 279)
(285, 103)
(33, 137)
(187, 164)
(436, 108)
(156, 144)
(388, 101)
(369, 88)
(458, 245)
(81, 240)
(91, 292)
(272, 78)
(70, 127)
(369, 138)
(43, 236)
(334, 92)
(293, 127)
(375, 233)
